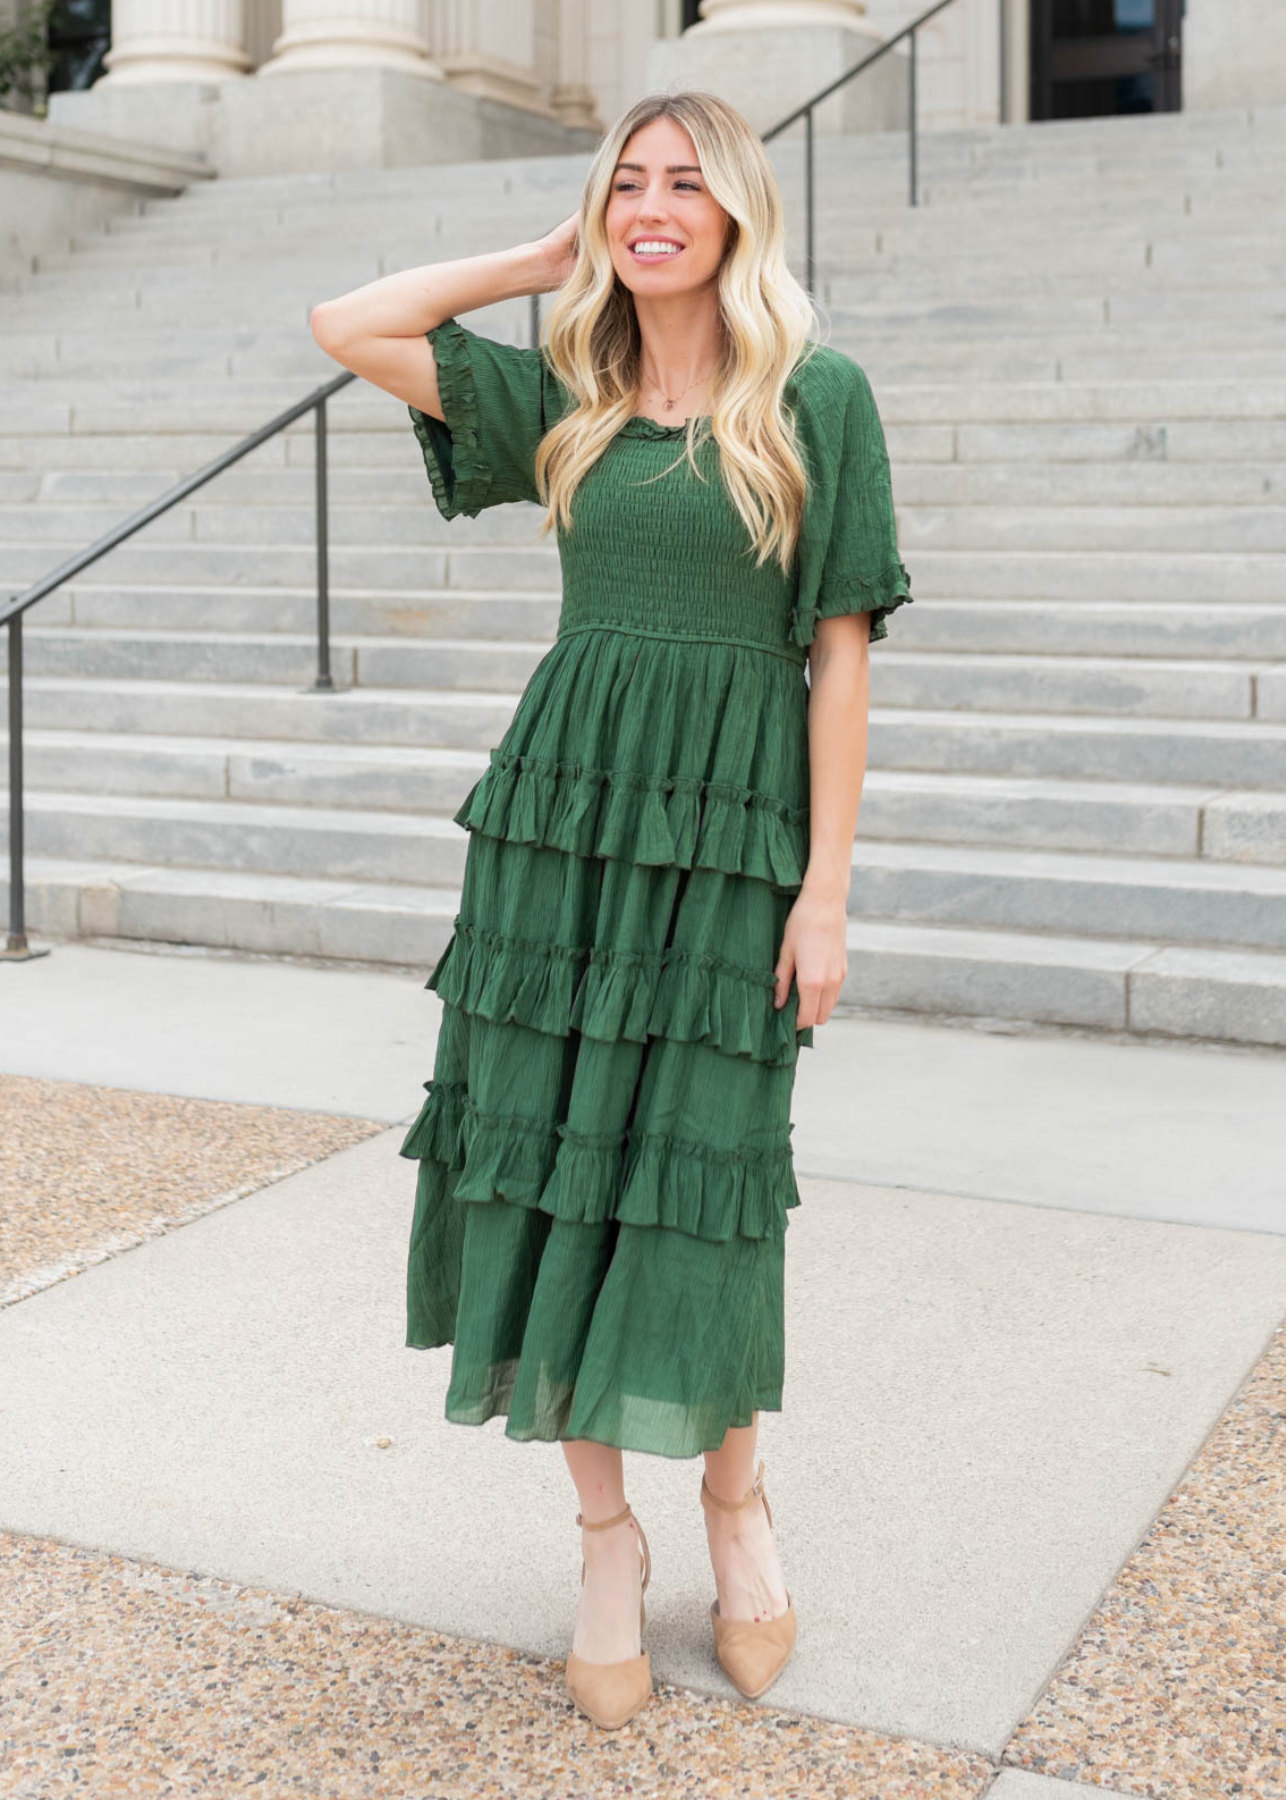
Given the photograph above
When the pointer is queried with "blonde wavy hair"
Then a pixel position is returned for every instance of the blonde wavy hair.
(593, 344)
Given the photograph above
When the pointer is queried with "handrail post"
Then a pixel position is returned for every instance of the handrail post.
(915, 196)
(17, 922)
(1004, 62)
(809, 225)
(323, 684)
(16, 949)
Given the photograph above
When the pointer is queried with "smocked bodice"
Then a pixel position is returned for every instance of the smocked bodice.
(654, 548)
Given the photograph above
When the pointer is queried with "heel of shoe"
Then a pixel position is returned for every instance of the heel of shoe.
(752, 1654)
(612, 1693)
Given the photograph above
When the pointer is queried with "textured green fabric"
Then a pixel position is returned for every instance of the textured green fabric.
(605, 1161)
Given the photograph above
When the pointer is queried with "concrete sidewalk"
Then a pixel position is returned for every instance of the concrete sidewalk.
(1179, 1132)
(1029, 1277)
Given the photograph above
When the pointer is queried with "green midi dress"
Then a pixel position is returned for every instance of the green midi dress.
(605, 1160)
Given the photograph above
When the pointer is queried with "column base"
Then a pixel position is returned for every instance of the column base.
(314, 121)
(1234, 53)
(172, 115)
(374, 119)
(768, 71)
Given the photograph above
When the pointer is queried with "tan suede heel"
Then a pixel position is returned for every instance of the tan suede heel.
(611, 1693)
(752, 1653)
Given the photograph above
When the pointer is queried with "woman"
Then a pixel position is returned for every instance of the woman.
(653, 911)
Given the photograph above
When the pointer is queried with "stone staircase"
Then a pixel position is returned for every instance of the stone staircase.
(1075, 809)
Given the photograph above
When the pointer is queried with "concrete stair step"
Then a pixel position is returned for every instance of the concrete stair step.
(406, 546)
(196, 522)
(1047, 444)
(1084, 491)
(1115, 356)
(440, 720)
(1104, 818)
(1068, 575)
(1132, 274)
(531, 567)
(488, 613)
(1115, 817)
(323, 843)
(1120, 261)
(1129, 687)
(1112, 356)
(285, 495)
(1193, 751)
(276, 658)
(1211, 576)
(1164, 900)
(865, 294)
(1177, 630)
(135, 408)
(1102, 684)
(1033, 525)
(1232, 755)
(369, 777)
(1126, 195)
(231, 909)
(1106, 983)
(1148, 365)
(1170, 898)
(121, 338)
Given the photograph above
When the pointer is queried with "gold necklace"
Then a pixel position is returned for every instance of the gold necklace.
(671, 404)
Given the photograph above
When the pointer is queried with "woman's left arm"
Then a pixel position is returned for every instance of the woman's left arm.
(814, 944)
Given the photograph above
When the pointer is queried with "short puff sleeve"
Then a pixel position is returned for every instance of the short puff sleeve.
(498, 401)
(848, 548)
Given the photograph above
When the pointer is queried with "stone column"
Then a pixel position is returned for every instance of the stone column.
(573, 98)
(351, 34)
(490, 48)
(1234, 53)
(175, 40)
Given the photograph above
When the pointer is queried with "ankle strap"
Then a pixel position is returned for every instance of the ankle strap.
(602, 1524)
(736, 1505)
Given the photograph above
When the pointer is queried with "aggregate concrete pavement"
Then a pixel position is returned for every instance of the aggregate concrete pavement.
(986, 1405)
(990, 1394)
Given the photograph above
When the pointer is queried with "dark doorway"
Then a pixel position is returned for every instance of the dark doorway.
(80, 35)
(1090, 57)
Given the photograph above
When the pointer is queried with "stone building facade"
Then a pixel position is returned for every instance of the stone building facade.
(266, 86)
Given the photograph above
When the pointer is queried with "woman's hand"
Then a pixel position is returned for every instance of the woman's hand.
(813, 951)
(560, 248)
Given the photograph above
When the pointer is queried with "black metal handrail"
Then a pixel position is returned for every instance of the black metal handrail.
(17, 948)
(11, 612)
(805, 112)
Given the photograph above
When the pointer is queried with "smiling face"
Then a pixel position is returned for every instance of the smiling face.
(659, 198)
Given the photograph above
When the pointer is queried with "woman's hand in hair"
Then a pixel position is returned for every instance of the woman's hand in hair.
(560, 248)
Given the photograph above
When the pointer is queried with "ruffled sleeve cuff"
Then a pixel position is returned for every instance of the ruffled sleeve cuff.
(879, 595)
(453, 458)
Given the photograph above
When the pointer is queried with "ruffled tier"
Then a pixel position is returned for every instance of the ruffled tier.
(692, 996)
(637, 1177)
(656, 751)
(645, 819)
(654, 1341)
(879, 595)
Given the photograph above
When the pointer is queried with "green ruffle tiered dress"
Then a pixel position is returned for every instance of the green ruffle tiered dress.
(605, 1160)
